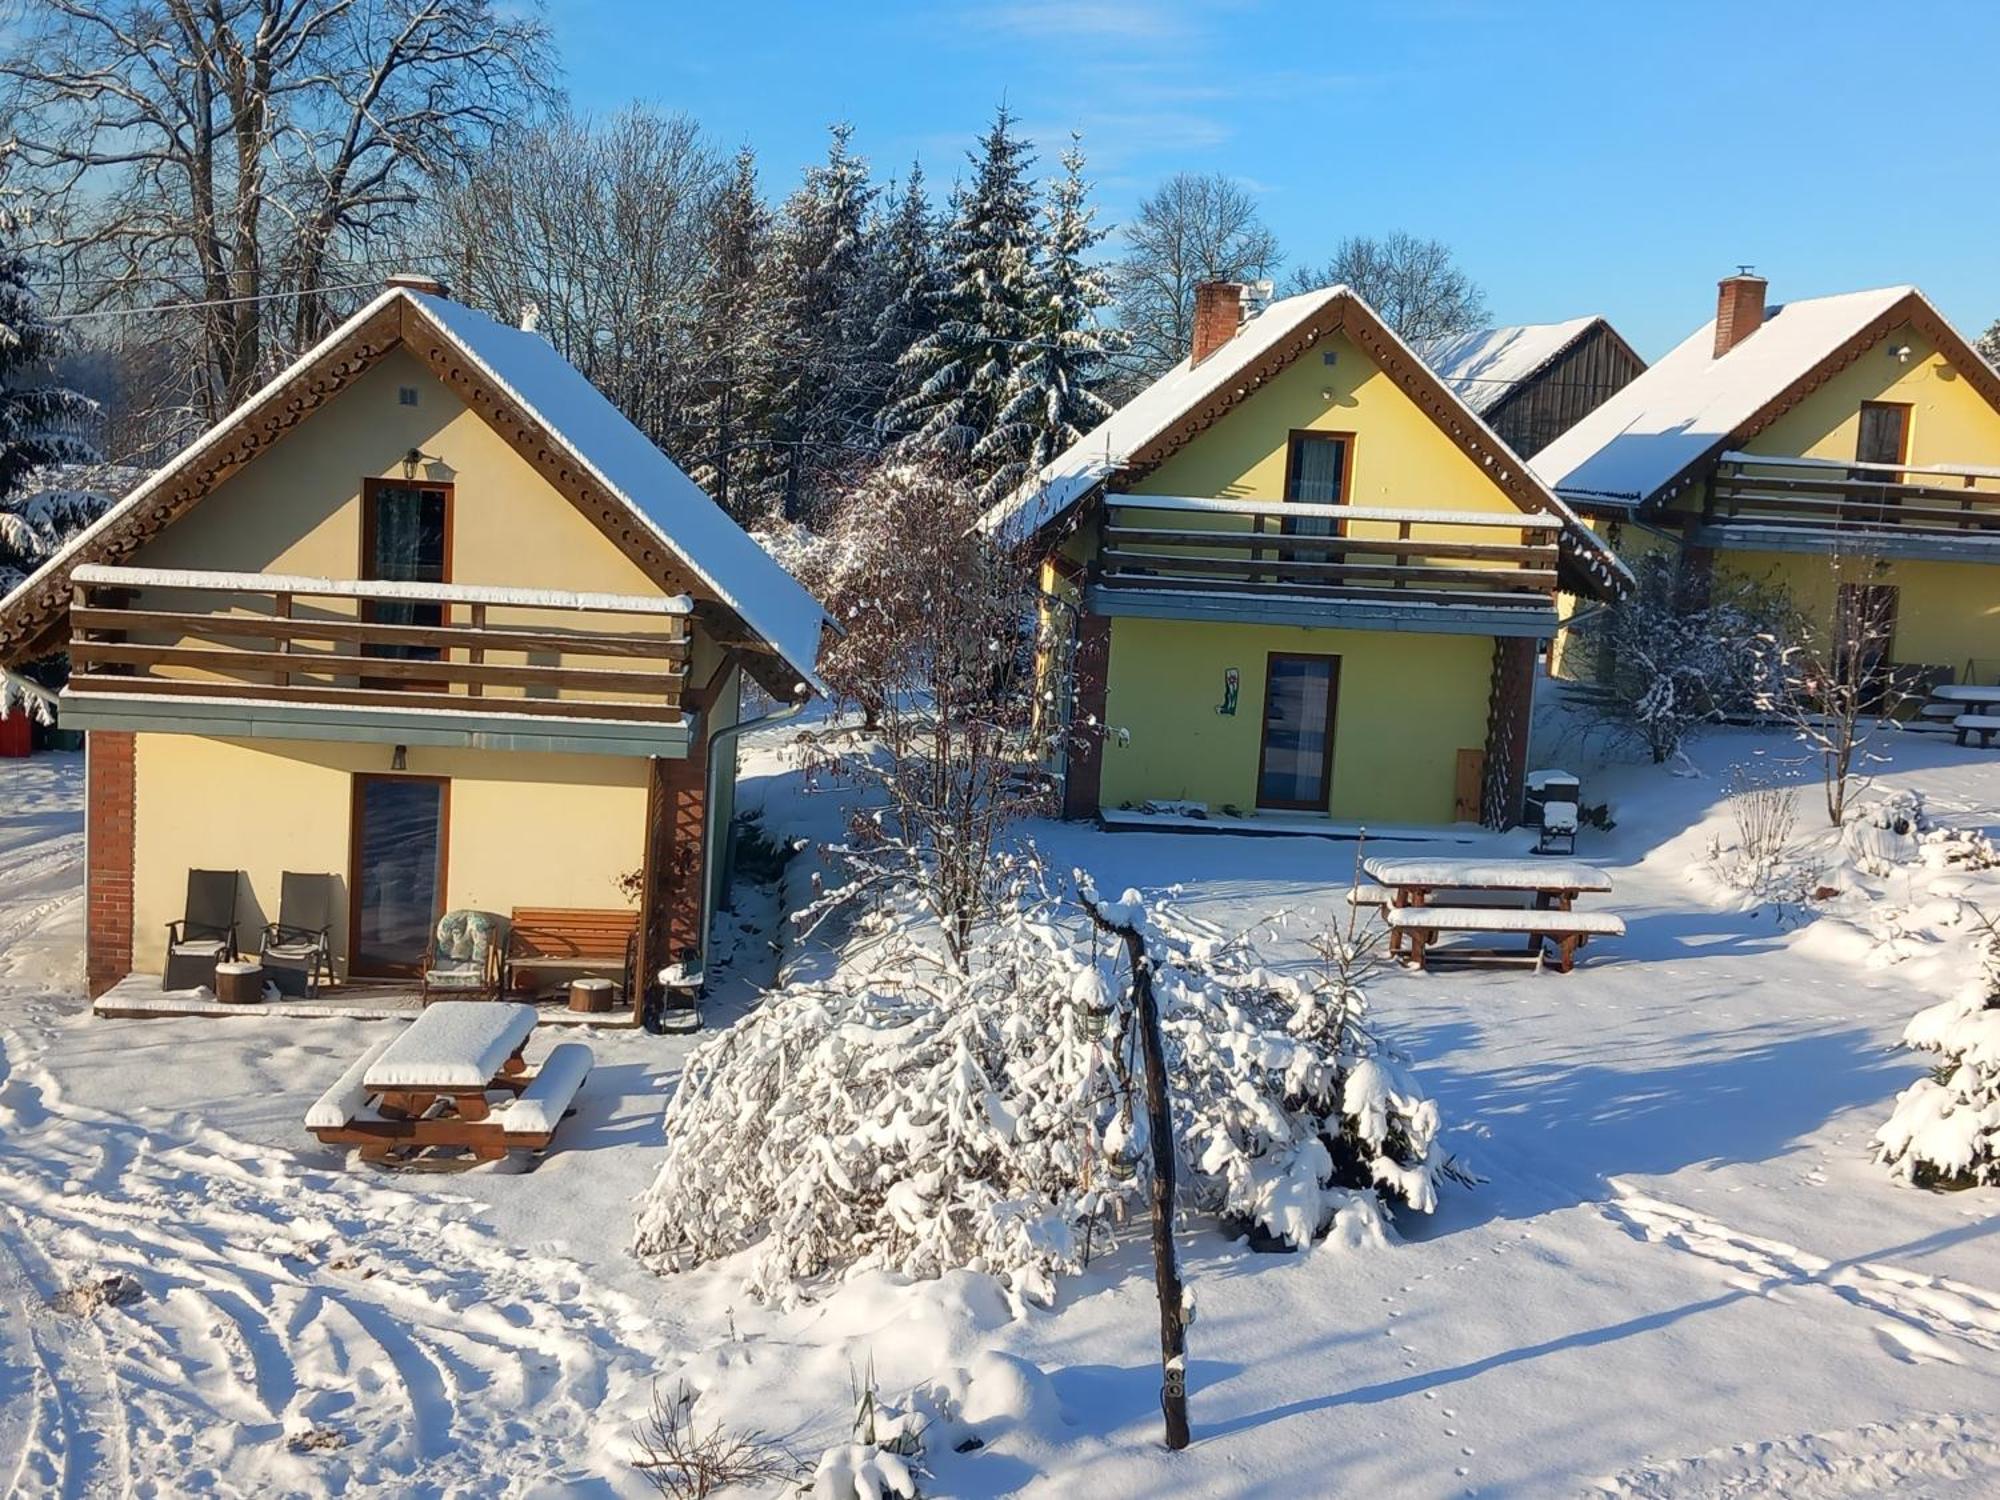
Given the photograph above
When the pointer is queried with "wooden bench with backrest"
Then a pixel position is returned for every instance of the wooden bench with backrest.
(571, 940)
(1417, 927)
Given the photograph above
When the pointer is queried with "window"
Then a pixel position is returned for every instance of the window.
(1316, 473)
(1295, 759)
(1885, 435)
(406, 538)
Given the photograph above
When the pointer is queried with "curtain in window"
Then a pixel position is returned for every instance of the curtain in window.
(1317, 466)
(1298, 731)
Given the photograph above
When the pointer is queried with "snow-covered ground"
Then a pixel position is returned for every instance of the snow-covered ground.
(1683, 1276)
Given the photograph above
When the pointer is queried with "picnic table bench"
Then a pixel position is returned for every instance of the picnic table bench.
(1984, 725)
(1406, 889)
(1965, 692)
(428, 1086)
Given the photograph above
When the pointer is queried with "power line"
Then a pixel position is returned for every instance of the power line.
(163, 307)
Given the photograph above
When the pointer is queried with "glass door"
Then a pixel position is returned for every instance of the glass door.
(397, 876)
(1295, 760)
(405, 538)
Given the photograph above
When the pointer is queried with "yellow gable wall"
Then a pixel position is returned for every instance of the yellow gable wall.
(1950, 422)
(526, 829)
(1399, 456)
(297, 507)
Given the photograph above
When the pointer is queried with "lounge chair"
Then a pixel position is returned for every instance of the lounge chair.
(206, 934)
(466, 958)
(297, 949)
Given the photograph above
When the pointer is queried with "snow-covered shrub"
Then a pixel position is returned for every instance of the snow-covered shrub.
(1945, 1129)
(918, 1114)
(1764, 859)
(1887, 832)
(685, 1461)
(880, 1462)
(1670, 656)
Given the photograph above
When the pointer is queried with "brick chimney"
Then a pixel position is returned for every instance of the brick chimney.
(1739, 309)
(1218, 313)
(416, 281)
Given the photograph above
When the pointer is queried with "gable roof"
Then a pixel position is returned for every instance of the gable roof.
(554, 417)
(1187, 399)
(1647, 441)
(1487, 366)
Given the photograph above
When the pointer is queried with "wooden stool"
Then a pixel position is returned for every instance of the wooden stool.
(239, 983)
(590, 995)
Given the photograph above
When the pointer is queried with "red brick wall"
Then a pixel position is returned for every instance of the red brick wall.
(1739, 311)
(108, 809)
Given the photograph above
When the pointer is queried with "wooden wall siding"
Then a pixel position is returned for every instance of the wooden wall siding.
(1509, 717)
(1567, 390)
(1083, 762)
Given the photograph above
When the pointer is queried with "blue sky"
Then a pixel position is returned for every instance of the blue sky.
(1613, 157)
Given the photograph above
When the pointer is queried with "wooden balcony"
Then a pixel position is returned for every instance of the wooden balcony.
(422, 663)
(1328, 564)
(1793, 504)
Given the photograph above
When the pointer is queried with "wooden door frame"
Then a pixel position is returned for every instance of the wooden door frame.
(355, 781)
(1325, 795)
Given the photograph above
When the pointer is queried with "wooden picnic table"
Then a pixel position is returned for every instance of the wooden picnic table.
(429, 1086)
(1553, 883)
(1407, 884)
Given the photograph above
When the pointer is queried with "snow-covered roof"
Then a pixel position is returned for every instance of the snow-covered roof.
(1487, 366)
(1072, 474)
(1690, 402)
(1170, 399)
(743, 575)
(662, 499)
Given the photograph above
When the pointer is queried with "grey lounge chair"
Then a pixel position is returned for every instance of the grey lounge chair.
(297, 949)
(206, 935)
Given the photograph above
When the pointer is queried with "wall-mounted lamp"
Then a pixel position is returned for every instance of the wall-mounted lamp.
(414, 457)
(400, 761)
(1900, 353)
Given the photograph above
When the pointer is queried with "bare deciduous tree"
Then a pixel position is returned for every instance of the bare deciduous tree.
(248, 155)
(1414, 283)
(1194, 227)
(936, 649)
(1831, 681)
(598, 235)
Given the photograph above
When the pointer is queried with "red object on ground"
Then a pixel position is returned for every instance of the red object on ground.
(17, 735)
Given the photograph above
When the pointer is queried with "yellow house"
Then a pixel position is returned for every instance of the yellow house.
(1297, 579)
(427, 621)
(1839, 447)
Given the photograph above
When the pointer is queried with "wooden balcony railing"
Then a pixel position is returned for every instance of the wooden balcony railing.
(1819, 494)
(282, 639)
(1153, 542)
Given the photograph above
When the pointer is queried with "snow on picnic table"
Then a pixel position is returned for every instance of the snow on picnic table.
(1683, 1276)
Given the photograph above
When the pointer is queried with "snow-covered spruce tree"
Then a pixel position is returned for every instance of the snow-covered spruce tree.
(960, 373)
(905, 292)
(728, 451)
(824, 414)
(919, 1113)
(936, 657)
(38, 418)
(1945, 1129)
(1051, 397)
(1676, 653)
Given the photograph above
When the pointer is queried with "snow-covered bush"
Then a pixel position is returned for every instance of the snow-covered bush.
(1887, 832)
(1764, 860)
(1945, 1129)
(1670, 656)
(919, 1115)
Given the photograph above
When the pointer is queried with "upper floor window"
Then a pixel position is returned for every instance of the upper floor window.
(1317, 470)
(405, 538)
(1884, 437)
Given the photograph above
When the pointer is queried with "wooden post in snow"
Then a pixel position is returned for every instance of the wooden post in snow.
(1160, 1127)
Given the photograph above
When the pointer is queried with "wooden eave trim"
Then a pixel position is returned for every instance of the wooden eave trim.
(1910, 310)
(32, 626)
